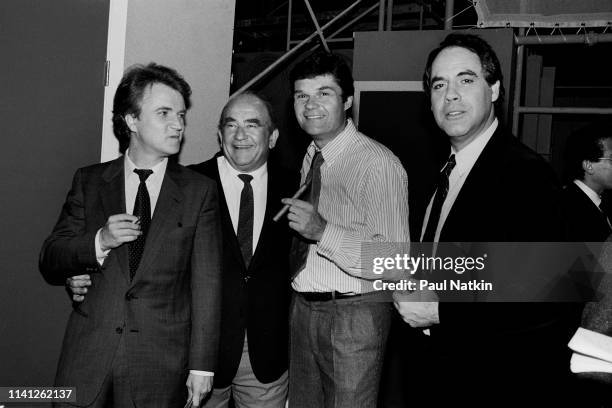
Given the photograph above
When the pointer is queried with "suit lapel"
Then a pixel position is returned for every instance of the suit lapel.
(226, 219)
(167, 211)
(471, 192)
(112, 196)
(273, 205)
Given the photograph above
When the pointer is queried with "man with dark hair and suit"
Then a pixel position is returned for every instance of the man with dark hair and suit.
(145, 230)
(589, 169)
(255, 302)
(491, 189)
(357, 193)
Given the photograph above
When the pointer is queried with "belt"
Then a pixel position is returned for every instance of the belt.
(326, 296)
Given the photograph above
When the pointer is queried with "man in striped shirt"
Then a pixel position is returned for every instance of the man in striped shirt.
(358, 193)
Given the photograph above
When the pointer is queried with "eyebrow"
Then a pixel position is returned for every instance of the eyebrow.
(323, 88)
(468, 72)
(168, 108)
(228, 119)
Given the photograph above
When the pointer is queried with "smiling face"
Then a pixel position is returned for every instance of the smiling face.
(157, 131)
(461, 99)
(319, 107)
(245, 135)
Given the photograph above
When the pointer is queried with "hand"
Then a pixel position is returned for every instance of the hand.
(119, 229)
(198, 386)
(419, 308)
(304, 219)
(77, 285)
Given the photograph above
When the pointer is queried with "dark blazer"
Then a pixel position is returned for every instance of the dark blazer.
(255, 299)
(510, 195)
(168, 315)
(584, 221)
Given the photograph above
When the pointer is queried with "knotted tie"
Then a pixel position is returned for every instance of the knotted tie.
(245, 219)
(142, 209)
(299, 245)
(436, 207)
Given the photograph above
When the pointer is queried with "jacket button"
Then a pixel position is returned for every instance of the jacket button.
(129, 296)
(119, 330)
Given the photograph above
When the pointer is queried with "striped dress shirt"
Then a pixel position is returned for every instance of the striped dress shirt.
(364, 198)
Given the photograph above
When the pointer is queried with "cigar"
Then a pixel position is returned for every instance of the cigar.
(298, 193)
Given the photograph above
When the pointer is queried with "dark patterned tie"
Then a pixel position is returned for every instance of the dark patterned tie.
(299, 245)
(245, 219)
(142, 209)
(436, 207)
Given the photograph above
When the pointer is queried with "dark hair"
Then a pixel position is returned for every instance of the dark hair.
(131, 89)
(585, 143)
(488, 59)
(271, 125)
(324, 63)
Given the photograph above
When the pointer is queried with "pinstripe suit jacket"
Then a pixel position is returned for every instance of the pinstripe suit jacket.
(168, 315)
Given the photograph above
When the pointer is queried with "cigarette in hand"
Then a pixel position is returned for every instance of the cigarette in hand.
(286, 207)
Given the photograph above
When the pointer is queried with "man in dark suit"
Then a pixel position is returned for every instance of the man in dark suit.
(255, 307)
(146, 231)
(492, 189)
(589, 167)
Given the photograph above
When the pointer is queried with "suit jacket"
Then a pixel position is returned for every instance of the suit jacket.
(510, 195)
(168, 315)
(255, 299)
(584, 221)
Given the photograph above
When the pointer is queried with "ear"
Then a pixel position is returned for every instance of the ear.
(495, 91)
(130, 120)
(273, 138)
(220, 136)
(348, 103)
(587, 166)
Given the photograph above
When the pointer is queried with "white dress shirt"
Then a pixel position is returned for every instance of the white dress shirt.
(232, 189)
(593, 196)
(132, 181)
(465, 160)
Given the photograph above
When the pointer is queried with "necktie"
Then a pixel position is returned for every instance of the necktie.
(245, 219)
(142, 209)
(436, 207)
(299, 245)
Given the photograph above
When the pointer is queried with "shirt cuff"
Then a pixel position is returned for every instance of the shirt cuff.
(100, 254)
(203, 373)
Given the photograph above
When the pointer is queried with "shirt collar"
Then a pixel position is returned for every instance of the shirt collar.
(466, 157)
(258, 174)
(595, 198)
(158, 169)
(336, 146)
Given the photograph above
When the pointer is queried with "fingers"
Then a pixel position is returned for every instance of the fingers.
(77, 285)
(295, 203)
(122, 217)
(119, 229)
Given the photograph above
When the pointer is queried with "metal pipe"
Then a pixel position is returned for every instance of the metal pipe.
(381, 15)
(570, 110)
(586, 38)
(316, 23)
(518, 85)
(421, 12)
(289, 24)
(448, 14)
(353, 21)
(389, 15)
(292, 51)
